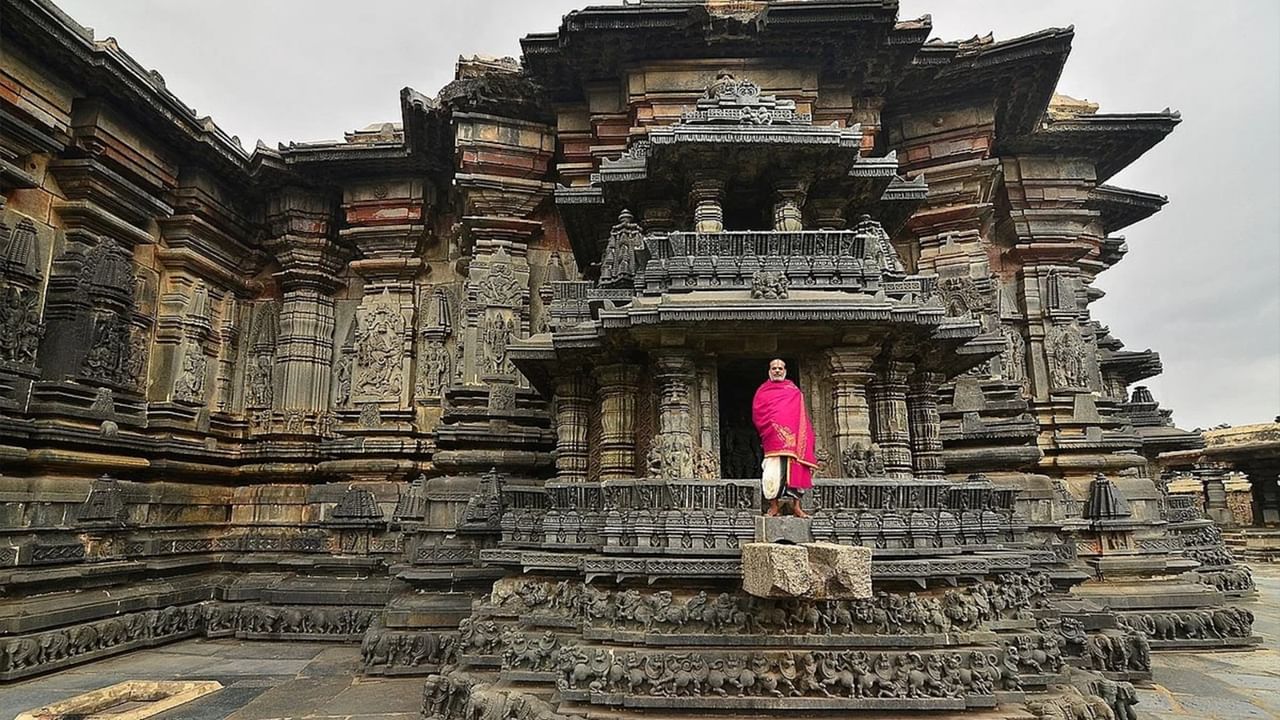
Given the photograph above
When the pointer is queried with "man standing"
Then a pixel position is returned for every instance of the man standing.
(787, 436)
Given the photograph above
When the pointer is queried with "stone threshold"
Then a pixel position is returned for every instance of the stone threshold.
(129, 700)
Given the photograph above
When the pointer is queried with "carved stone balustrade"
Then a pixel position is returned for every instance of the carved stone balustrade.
(898, 518)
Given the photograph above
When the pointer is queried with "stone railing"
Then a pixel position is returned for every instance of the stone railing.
(715, 518)
(760, 243)
(822, 259)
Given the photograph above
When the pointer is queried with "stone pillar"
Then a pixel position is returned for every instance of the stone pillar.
(305, 350)
(708, 213)
(616, 387)
(573, 415)
(674, 373)
(889, 425)
(709, 416)
(925, 425)
(828, 213)
(850, 372)
(300, 224)
(788, 199)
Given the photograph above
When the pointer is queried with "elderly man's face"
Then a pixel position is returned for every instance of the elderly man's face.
(777, 371)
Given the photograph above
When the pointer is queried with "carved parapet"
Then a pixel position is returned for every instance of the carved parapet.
(715, 518)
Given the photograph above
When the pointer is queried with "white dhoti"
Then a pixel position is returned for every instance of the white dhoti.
(771, 478)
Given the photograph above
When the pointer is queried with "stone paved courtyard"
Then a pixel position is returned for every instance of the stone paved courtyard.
(273, 681)
(1225, 685)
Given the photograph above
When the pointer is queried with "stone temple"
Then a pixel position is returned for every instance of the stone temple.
(473, 388)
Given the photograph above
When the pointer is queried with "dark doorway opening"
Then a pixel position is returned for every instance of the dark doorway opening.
(740, 451)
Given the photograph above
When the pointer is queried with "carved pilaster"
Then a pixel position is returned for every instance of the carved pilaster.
(386, 228)
(925, 425)
(616, 387)
(850, 373)
(21, 327)
(573, 417)
(97, 331)
(887, 393)
(707, 464)
(305, 352)
(673, 446)
(300, 225)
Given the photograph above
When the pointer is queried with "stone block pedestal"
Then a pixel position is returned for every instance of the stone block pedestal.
(789, 530)
(819, 571)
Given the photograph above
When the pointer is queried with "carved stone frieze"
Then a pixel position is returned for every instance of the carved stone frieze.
(391, 651)
(1227, 623)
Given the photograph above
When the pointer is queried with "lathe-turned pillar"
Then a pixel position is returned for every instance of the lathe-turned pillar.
(573, 417)
(887, 393)
(925, 425)
(850, 373)
(616, 388)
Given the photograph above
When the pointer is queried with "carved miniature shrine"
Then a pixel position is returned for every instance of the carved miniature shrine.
(474, 389)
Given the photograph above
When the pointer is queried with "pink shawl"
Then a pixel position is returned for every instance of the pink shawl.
(785, 431)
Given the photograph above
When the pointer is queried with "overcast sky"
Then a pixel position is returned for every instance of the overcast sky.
(1201, 282)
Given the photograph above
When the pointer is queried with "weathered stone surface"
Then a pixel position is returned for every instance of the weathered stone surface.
(793, 530)
(776, 570)
(819, 571)
(840, 572)
(130, 700)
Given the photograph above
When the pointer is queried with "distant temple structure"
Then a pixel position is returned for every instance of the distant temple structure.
(473, 388)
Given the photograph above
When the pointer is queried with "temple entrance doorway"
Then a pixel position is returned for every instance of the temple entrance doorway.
(740, 451)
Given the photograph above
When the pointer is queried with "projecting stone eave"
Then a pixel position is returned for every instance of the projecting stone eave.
(1018, 75)
(420, 144)
(43, 29)
(1122, 207)
(1159, 440)
(842, 37)
(1133, 365)
(1111, 142)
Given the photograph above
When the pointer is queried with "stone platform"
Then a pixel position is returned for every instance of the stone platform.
(322, 681)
